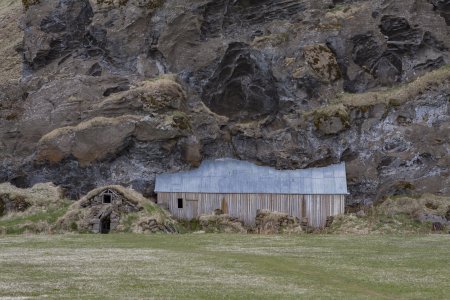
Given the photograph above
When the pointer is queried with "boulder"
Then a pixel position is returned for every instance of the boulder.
(101, 137)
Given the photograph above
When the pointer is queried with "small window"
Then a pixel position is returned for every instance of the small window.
(107, 198)
(180, 202)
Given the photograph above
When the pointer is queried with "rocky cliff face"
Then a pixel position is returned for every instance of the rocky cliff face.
(116, 91)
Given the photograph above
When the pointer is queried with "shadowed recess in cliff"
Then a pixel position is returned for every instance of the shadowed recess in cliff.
(242, 86)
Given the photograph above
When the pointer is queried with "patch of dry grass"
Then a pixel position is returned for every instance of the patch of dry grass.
(40, 196)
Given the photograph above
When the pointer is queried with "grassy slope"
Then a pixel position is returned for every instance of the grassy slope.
(39, 221)
(46, 206)
(195, 266)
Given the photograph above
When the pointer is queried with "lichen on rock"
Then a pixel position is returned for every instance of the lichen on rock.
(322, 60)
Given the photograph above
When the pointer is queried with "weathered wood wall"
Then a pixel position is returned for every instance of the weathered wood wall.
(244, 206)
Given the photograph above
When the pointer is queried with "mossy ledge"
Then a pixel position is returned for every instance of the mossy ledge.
(396, 96)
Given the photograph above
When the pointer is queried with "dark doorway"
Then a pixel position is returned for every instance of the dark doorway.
(105, 225)
(107, 198)
(180, 203)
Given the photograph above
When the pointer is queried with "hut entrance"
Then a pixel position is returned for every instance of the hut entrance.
(105, 225)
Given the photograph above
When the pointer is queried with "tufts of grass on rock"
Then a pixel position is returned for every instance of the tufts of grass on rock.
(395, 96)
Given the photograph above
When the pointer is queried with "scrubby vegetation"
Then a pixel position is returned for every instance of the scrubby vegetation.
(33, 210)
(268, 222)
(221, 223)
(397, 215)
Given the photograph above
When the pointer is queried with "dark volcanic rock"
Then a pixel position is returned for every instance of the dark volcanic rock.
(443, 6)
(250, 12)
(242, 86)
(224, 16)
(115, 92)
(55, 28)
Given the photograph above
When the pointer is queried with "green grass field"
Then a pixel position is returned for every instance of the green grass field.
(203, 266)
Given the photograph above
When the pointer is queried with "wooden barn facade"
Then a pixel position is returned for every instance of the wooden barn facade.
(240, 188)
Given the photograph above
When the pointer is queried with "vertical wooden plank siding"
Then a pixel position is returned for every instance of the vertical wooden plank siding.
(244, 206)
(319, 207)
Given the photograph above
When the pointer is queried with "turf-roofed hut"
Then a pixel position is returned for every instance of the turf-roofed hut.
(109, 204)
(240, 189)
(116, 209)
(106, 205)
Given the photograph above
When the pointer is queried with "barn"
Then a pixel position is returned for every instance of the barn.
(240, 188)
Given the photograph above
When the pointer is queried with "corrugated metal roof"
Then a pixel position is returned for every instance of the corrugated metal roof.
(235, 176)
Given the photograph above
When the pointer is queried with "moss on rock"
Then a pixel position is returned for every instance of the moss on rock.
(27, 3)
(331, 119)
